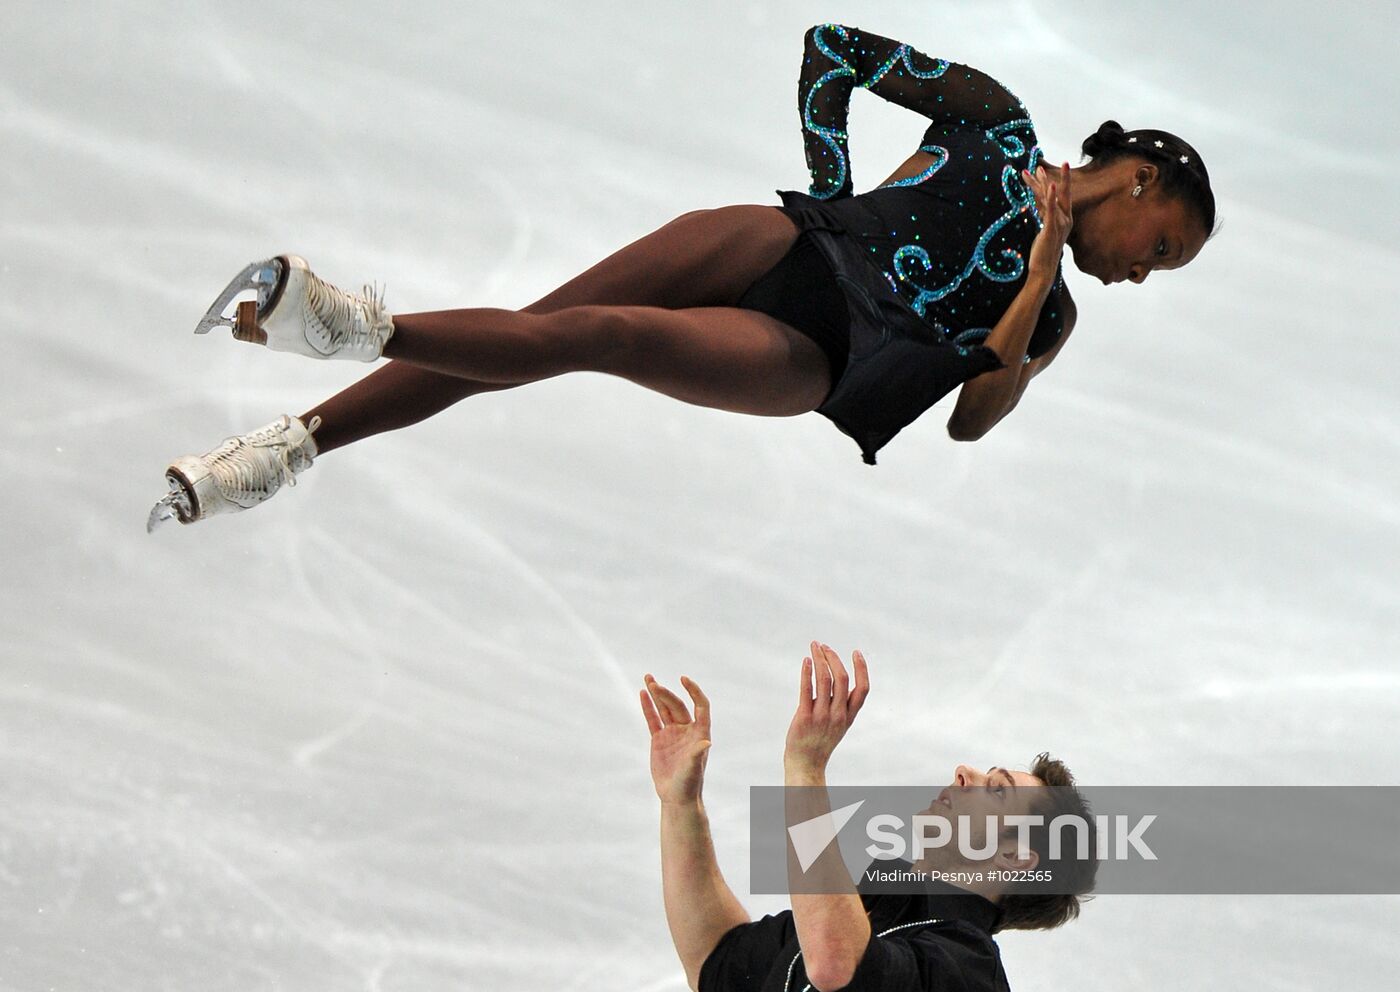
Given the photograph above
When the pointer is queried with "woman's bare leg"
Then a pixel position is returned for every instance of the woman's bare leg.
(721, 357)
(702, 259)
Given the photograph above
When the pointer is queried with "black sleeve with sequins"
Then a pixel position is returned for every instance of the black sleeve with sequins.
(838, 59)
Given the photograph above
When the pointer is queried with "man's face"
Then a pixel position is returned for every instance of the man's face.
(976, 795)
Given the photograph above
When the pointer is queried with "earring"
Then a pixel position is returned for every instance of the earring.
(1137, 191)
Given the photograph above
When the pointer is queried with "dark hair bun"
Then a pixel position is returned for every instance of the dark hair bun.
(1109, 135)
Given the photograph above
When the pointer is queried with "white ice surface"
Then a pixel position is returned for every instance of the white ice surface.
(382, 733)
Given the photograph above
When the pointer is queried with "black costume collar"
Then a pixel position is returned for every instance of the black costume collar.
(893, 903)
(948, 902)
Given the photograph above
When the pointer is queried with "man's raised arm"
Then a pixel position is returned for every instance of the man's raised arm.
(700, 908)
(832, 926)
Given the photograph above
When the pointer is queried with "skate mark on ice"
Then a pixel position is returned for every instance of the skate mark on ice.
(1249, 458)
(780, 492)
(309, 751)
(374, 978)
(513, 259)
(1022, 641)
(102, 254)
(201, 178)
(537, 582)
(363, 575)
(1305, 683)
(457, 528)
(218, 55)
(356, 637)
(296, 921)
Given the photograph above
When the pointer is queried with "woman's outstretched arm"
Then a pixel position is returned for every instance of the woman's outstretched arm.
(838, 58)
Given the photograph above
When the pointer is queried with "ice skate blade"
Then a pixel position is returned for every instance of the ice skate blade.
(264, 278)
(163, 510)
(174, 505)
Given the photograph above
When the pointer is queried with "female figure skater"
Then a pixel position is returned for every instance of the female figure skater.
(866, 308)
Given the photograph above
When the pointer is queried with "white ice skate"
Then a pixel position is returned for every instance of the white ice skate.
(295, 310)
(242, 472)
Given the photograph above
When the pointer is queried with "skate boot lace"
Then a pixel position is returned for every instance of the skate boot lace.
(252, 467)
(346, 320)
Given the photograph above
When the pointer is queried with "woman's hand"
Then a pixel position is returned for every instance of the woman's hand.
(679, 745)
(1053, 202)
(823, 716)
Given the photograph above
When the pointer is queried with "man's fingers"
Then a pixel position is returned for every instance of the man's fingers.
(862, 688)
(843, 678)
(819, 672)
(649, 712)
(804, 685)
(840, 681)
(702, 702)
(823, 677)
(672, 709)
(699, 751)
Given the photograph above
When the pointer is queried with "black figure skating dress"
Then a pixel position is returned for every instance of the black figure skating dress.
(901, 285)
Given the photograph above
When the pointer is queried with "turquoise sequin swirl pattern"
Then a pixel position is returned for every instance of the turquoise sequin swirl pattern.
(824, 99)
(911, 262)
(940, 156)
(952, 238)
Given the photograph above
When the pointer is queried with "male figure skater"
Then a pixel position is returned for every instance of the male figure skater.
(937, 939)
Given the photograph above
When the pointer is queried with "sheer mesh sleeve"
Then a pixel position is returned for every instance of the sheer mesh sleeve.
(838, 59)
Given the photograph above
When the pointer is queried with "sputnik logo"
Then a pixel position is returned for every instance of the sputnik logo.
(811, 837)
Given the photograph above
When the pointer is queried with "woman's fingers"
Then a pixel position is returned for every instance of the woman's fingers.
(1051, 190)
(1056, 214)
(1037, 187)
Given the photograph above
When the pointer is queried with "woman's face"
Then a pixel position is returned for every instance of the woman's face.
(1129, 237)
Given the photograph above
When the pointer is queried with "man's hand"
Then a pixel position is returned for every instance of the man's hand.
(700, 907)
(826, 708)
(679, 746)
(1052, 200)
